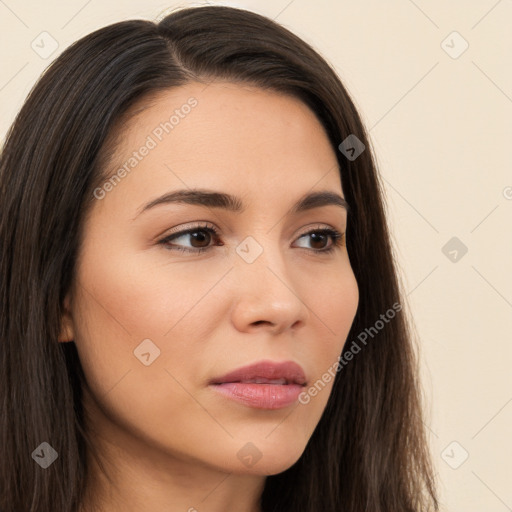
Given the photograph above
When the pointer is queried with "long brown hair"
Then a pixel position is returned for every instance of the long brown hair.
(369, 451)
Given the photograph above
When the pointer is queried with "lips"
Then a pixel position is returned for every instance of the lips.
(266, 372)
(264, 385)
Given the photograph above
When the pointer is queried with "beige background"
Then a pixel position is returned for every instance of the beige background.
(442, 130)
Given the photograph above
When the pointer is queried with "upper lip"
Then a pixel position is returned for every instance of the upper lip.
(266, 370)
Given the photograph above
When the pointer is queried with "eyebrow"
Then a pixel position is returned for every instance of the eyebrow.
(213, 199)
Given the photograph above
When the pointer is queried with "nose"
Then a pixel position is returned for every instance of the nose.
(267, 295)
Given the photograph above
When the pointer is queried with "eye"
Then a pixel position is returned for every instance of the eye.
(200, 238)
(319, 237)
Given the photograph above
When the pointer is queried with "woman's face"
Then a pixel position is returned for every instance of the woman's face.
(157, 323)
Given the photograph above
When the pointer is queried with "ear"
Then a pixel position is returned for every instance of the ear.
(67, 332)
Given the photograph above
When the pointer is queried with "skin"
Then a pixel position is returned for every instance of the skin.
(171, 439)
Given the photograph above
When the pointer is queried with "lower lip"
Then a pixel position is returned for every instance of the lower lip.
(261, 396)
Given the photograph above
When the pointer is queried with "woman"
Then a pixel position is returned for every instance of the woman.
(264, 365)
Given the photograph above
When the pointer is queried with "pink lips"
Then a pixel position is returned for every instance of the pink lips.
(264, 385)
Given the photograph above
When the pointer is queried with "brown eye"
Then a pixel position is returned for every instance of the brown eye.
(319, 240)
(199, 239)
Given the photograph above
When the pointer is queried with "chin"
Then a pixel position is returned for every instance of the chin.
(272, 466)
(267, 458)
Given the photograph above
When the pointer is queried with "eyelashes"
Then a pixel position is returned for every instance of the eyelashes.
(211, 231)
(208, 232)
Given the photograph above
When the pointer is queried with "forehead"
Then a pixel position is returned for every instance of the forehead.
(222, 135)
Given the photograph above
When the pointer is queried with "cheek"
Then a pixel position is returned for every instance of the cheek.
(122, 303)
(333, 310)
(138, 334)
(333, 303)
